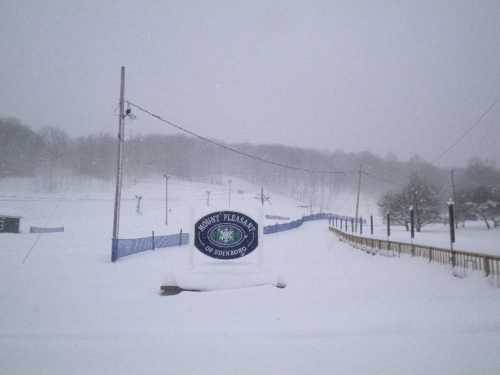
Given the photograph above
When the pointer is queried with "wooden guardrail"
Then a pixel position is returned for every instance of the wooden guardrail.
(486, 263)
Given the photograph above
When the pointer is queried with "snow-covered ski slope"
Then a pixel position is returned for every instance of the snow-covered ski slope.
(67, 309)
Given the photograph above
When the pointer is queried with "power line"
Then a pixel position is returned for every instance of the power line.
(232, 149)
(448, 149)
(318, 171)
(468, 130)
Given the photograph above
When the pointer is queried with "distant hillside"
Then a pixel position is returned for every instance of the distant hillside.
(51, 152)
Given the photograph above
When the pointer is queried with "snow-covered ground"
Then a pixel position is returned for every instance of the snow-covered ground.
(67, 309)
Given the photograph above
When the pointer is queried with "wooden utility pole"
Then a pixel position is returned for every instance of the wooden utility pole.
(119, 166)
(166, 199)
(357, 197)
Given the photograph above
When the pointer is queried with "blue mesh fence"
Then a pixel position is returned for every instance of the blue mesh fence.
(297, 223)
(283, 227)
(277, 217)
(46, 230)
(124, 247)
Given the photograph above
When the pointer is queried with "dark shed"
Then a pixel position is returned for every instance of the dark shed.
(9, 224)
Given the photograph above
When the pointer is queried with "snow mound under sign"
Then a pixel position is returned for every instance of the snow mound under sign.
(219, 278)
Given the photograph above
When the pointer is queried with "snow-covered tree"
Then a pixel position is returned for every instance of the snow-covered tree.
(417, 193)
(398, 207)
(479, 192)
(484, 202)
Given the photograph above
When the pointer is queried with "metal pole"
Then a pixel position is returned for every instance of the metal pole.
(412, 229)
(166, 199)
(119, 165)
(371, 225)
(388, 218)
(322, 193)
(357, 196)
(451, 216)
(412, 223)
(229, 194)
(208, 198)
(453, 192)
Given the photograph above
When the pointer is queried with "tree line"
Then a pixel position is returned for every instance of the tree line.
(52, 153)
(476, 197)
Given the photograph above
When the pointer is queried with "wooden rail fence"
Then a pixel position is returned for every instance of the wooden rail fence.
(486, 263)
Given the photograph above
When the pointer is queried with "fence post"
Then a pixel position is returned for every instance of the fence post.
(114, 249)
(153, 239)
(180, 237)
(486, 266)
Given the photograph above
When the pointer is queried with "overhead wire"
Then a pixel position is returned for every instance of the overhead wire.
(308, 170)
(233, 149)
(474, 125)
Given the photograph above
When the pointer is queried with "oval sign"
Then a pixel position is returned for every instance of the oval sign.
(226, 235)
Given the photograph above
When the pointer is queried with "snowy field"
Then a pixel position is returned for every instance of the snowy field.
(67, 309)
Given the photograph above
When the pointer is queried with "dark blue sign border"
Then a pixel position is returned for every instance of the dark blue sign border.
(232, 222)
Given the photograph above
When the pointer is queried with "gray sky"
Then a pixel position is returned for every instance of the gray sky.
(386, 76)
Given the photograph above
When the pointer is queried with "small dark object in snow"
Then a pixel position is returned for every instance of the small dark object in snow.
(172, 290)
(280, 283)
(459, 274)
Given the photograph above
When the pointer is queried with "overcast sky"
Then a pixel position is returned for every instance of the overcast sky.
(384, 76)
